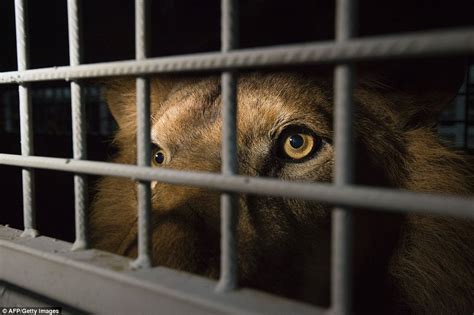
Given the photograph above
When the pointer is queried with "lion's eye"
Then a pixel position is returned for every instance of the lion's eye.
(298, 145)
(158, 156)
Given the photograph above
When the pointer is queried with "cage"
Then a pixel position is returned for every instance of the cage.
(37, 102)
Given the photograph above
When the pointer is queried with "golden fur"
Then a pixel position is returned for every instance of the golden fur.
(402, 263)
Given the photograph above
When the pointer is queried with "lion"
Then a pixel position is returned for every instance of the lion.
(402, 263)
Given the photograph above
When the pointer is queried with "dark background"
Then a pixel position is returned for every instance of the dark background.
(180, 27)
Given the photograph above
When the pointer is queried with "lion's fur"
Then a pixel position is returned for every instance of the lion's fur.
(411, 263)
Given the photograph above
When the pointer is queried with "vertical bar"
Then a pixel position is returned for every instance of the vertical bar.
(342, 225)
(22, 50)
(78, 126)
(143, 139)
(229, 202)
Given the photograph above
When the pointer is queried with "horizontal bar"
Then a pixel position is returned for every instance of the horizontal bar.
(352, 196)
(98, 282)
(421, 44)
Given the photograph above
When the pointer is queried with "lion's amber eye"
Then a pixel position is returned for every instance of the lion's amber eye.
(296, 144)
(158, 157)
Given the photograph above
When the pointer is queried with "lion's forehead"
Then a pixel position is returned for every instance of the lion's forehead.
(197, 114)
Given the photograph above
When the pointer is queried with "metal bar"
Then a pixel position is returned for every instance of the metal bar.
(21, 25)
(144, 258)
(78, 126)
(342, 222)
(26, 130)
(228, 279)
(354, 196)
(422, 44)
(98, 282)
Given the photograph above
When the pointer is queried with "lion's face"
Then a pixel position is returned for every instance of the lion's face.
(278, 136)
(285, 132)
